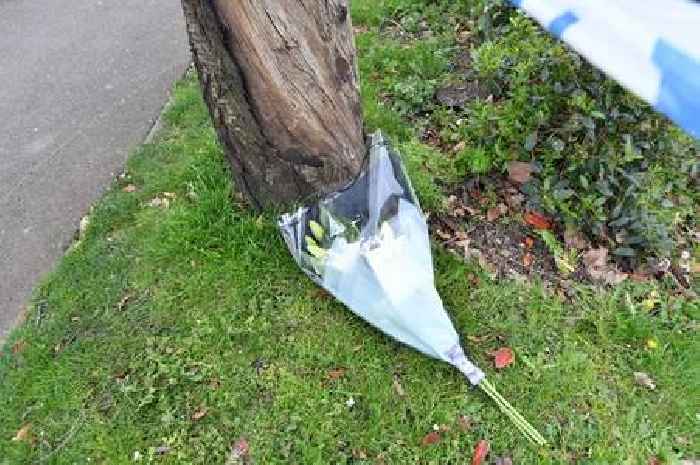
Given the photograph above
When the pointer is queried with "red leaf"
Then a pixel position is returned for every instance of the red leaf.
(480, 452)
(537, 220)
(503, 357)
(431, 438)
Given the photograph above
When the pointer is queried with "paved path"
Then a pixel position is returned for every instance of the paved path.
(81, 82)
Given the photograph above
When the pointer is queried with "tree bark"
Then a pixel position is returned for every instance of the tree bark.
(280, 80)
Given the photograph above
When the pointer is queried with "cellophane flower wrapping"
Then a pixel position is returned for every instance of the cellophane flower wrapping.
(368, 245)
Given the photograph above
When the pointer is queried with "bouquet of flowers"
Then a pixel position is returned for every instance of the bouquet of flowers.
(368, 245)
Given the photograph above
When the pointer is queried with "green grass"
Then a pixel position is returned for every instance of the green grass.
(159, 313)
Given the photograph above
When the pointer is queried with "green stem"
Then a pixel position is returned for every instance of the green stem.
(518, 420)
(512, 414)
(509, 409)
(521, 423)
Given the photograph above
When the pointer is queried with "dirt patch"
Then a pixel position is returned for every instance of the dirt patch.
(489, 220)
(486, 222)
(459, 94)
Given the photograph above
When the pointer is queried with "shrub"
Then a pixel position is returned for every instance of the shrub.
(608, 164)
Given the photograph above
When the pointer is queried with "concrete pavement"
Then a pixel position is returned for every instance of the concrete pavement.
(81, 83)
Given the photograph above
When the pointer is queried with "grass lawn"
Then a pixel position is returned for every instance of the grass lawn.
(177, 326)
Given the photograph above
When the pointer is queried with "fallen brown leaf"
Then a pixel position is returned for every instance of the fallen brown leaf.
(443, 235)
(336, 374)
(431, 438)
(359, 454)
(465, 422)
(480, 452)
(519, 172)
(639, 277)
(598, 268)
(528, 258)
(122, 303)
(596, 262)
(214, 384)
(464, 244)
(19, 346)
(398, 388)
(23, 433)
(643, 379)
(492, 214)
(654, 460)
(129, 188)
(502, 357)
(613, 277)
(528, 242)
(515, 200)
(359, 29)
(537, 220)
(200, 413)
(461, 235)
(84, 223)
(471, 210)
(574, 239)
(320, 293)
(158, 202)
(463, 37)
(473, 279)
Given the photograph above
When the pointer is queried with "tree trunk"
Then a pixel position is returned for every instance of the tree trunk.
(280, 80)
